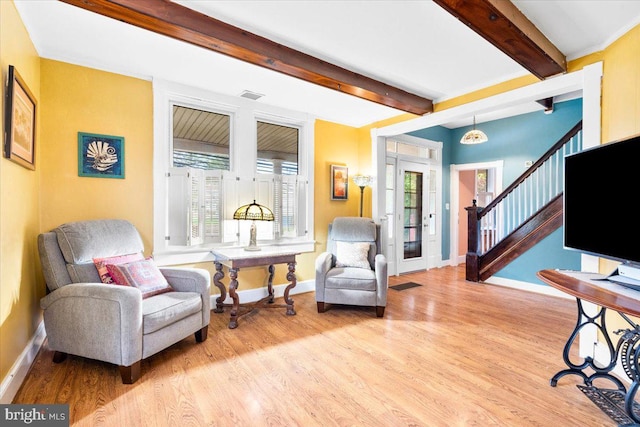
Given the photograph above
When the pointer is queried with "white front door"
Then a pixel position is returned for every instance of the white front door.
(412, 207)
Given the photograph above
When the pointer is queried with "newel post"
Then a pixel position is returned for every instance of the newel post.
(473, 242)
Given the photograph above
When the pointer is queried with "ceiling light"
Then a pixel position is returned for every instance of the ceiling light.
(474, 136)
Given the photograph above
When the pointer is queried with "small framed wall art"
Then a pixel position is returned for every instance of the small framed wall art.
(339, 182)
(100, 156)
(20, 122)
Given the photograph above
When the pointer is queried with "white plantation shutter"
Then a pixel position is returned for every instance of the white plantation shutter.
(195, 206)
(277, 206)
(288, 191)
(212, 204)
(300, 206)
(179, 200)
(288, 196)
(195, 180)
(265, 196)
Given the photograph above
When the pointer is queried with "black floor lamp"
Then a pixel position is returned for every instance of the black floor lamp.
(362, 181)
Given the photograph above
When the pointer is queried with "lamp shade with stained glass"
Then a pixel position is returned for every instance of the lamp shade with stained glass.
(253, 212)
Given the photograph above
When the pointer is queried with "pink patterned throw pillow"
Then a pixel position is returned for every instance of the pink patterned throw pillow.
(143, 275)
(101, 264)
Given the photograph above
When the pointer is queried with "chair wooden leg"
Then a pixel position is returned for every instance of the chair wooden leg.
(201, 335)
(131, 374)
(379, 311)
(59, 356)
(321, 307)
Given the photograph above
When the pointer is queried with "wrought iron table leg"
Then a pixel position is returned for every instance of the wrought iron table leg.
(629, 351)
(629, 401)
(223, 292)
(579, 369)
(291, 277)
(233, 285)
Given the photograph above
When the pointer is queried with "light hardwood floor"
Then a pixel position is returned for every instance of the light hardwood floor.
(447, 353)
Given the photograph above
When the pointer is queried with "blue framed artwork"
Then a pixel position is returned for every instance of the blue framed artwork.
(100, 156)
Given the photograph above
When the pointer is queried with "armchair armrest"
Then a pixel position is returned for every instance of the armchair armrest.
(382, 278)
(188, 279)
(323, 265)
(196, 280)
(95, 320)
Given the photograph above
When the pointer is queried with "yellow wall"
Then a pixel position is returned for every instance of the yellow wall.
(79, 99)
(20, 290)
(334, 145)
(621, 87)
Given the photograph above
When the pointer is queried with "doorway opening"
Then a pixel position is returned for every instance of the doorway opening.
(466, 186)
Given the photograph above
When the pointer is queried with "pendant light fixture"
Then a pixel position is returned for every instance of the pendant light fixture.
(474, 136)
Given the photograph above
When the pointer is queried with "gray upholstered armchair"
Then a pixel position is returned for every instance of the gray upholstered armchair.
(113, 323)
(352, 271)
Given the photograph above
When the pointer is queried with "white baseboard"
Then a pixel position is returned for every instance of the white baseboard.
(526, 286)
(253, 295)
(12, 382)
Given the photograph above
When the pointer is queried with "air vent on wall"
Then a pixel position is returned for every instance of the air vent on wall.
(251, 95)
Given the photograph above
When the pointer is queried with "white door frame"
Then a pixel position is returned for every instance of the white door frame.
(433, 163)
(455, 196)
(586, 80)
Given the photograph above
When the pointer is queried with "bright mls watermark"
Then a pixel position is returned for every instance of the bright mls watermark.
(34, 415)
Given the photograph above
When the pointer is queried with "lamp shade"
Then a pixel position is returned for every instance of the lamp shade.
(474, 136)
(362, 180)
(253, 212)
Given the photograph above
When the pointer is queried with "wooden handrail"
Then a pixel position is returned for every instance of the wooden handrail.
(550, 152)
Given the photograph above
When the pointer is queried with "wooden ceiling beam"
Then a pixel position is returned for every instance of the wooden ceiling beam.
(502, 24)
(184, 24)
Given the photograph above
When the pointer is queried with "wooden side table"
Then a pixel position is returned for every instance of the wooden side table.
(235, 259)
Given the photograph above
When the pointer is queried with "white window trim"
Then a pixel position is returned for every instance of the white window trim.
(244, 115)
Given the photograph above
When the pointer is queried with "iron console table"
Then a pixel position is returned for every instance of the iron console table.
(236, 258)
(596, 289)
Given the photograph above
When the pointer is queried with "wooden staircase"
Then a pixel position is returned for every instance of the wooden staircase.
(522, 215)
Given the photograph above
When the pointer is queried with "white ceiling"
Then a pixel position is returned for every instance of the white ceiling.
(413, 45)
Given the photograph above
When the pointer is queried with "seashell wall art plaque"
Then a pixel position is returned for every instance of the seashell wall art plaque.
(100, 156)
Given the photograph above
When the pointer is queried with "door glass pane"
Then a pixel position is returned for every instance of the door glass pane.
(412, 214)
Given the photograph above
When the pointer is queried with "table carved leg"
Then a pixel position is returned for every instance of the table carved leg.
(233, 285)
(223, 292)
(272, 270)
(291, 277)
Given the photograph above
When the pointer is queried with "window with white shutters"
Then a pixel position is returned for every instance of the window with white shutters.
(220, 154)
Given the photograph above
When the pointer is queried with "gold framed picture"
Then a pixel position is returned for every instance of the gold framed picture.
(339, 182)
(20, 122)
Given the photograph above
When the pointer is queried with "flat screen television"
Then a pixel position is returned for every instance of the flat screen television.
(601, 214)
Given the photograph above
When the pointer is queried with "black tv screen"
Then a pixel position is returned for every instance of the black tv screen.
(601, 212)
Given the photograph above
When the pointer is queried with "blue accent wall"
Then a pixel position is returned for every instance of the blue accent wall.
(513, 140)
